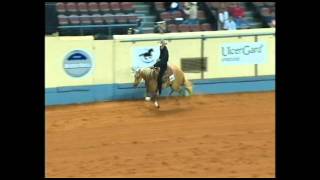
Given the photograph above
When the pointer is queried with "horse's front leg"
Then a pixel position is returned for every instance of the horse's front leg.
(156, 100)
(148, 96)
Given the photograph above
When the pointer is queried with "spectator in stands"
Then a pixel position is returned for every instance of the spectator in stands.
(161, 27)
(174, 6)
(131, 31)
(139, 30)
(167, 6)
(223, 15)
(273, 23)
(191, 11)
(230, 24)
(238, 13)
(270, 17)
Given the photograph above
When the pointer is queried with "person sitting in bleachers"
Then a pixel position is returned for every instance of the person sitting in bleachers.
(191, 11)
(161, 27)
(238, 13)
(230, 24)
(175, 6)
(223, 16)
(139, 29)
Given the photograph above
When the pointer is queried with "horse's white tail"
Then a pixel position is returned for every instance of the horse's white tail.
(188, 85)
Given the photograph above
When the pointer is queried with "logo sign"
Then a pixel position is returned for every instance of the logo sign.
(243, 53)
(77, 63)
(145, 56)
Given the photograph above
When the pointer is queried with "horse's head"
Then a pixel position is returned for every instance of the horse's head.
(137, 77)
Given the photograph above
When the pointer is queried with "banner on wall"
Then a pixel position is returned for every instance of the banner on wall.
(243, 53)
(77, 63)
(145, 56)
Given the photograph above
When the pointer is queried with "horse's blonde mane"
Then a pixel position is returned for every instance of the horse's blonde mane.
(147, 73)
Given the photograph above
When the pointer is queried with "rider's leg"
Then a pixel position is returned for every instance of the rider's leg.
(162, 70)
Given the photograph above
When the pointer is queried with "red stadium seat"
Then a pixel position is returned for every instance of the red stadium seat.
(82, 7)
(74, 19)
(115, 7)
(176, 14)
(63, 20)
(121, 18)
(109, 18)
(132, 18)
(172, 28)
(60, 7)
(183, 28)
(127, 7)
(85, 19)
(93, 7)
(97, 19)
(165, 16)
(71, 7)
(194, 27)
(206, 27)
(159, 6)
(104, 7)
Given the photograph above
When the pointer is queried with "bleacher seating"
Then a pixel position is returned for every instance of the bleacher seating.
(111, 13)
(115, 7)
(178, 26)
(159, 6)
(104, 7)
(206, 27)
(93, 7)
(172, 28)
(165, 16)
(85, 19)
(63, 20)
(60, 7)
(108, 18)
(82, 7)
(127, 7)
(74, 19)
(98, 13)
(121, 18)
(72, 7)
(194, 27)
(97, 19)
(183, 28)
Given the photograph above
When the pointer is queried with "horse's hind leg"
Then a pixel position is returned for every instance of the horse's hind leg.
(156, 102)
(172, 90)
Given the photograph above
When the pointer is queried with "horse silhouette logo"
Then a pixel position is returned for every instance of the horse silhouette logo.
(147, 56)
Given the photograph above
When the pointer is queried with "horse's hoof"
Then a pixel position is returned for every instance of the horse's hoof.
(148, 98)
(157, 105)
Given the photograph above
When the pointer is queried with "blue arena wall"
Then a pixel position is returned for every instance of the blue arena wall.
(110, 92)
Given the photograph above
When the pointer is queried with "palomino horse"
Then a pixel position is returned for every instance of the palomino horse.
(149, 75)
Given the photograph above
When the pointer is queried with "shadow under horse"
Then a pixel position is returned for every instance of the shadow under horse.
(173, 77)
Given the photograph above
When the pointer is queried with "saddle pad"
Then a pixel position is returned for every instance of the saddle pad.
(172, 78)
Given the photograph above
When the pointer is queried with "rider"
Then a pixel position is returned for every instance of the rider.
(162, 63)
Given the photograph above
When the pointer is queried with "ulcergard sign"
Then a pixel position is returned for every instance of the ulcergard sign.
(243, 53)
